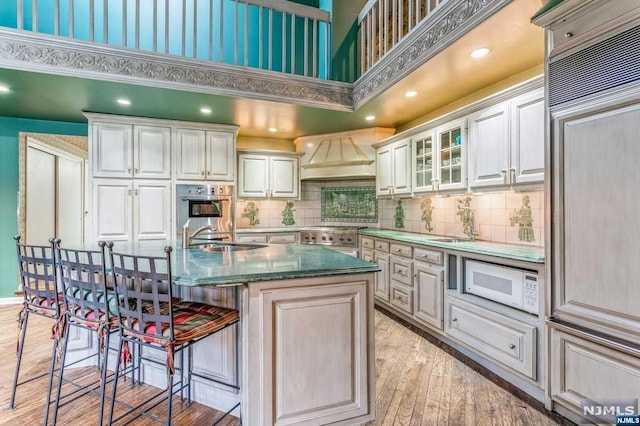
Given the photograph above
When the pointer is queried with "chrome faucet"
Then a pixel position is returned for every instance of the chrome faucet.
(187, 236)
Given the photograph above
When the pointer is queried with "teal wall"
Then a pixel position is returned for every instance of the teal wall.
(345, 56)
(9, 129)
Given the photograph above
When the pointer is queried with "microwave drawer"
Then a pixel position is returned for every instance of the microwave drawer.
(508, 341)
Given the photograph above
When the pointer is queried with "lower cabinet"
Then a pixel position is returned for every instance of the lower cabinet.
(131, 210)
(382, 289)
(506, 340)
(429, 284)
(584, 367)
(268, 238)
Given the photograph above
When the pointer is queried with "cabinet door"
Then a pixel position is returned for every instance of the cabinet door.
(402, 168)
(527, 138)
(112, 210)
(253, 176)
(221, 156)
(152, 152)
(489, 146)
(382, 289)
(190, 154)
(111, 150)
(423, 167)
(152, 210)
(452, 146)
(428, 286)
(384, 177)
(283, 177)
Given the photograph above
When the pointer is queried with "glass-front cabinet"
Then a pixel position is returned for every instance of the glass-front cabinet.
(451, 155)
(424, 166)
(439, 158)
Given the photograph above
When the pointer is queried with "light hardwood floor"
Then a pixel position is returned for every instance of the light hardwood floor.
(417, 383)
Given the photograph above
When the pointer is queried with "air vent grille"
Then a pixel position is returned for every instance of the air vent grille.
(604, 65)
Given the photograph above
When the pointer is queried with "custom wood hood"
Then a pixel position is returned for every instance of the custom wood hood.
(343, 155)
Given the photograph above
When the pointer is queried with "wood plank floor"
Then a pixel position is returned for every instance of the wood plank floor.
(417, 383)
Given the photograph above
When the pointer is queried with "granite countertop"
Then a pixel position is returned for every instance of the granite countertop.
(265, 230)
(195, 267)
(508, 251)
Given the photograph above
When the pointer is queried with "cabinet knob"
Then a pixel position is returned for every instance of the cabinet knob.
(454, 319)
(129, 170)
(568, 35)
(202, 173)
(513, 175)
(512, 346)
(135, 171)
(504, 175)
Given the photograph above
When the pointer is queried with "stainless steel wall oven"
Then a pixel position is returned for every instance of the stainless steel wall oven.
(205, 208)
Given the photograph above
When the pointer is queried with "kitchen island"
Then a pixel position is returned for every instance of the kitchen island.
(307, 333)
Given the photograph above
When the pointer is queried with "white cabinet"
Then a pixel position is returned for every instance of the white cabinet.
(268, 238)
(393, 165)
(507, 142)
(424, 162)
(268, 175)
(429, 284)
(125, 210)
(204, 155)
(130, 151)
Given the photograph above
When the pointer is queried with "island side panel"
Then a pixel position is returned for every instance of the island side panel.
(309, 351)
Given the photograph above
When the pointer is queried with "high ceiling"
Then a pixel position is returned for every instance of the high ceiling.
(516, 46)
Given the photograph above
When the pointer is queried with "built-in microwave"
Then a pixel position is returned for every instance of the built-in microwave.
(207, 207)
(510, 286)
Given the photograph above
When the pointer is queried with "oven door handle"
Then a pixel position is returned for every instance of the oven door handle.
(206, 198)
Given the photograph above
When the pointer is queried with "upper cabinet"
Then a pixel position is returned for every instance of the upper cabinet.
(451, 155)
(507, 142)
(424, 163)
(268, 174)
(205, 155)
(131, 151)
(393, 165)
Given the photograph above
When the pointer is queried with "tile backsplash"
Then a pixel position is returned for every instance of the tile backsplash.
(499, 216)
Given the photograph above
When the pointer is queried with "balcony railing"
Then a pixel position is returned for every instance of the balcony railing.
(275, 35)
(385, 23)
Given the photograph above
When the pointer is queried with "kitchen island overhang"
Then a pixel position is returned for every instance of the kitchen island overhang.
(306, 346)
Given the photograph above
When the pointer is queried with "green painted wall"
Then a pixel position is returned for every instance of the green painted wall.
(344, 50)
(9, 129)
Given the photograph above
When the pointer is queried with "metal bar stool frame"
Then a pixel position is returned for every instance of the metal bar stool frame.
(151, 317)
(41, 296)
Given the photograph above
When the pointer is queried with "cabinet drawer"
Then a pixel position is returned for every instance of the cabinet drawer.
(402, 297)
(283, 239)
(382, 246)
(508, 341)
(251, 238)
(401, 250)
(368, 243)
(402, 270)
(431, 256)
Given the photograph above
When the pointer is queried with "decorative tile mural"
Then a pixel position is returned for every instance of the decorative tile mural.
(349, 204)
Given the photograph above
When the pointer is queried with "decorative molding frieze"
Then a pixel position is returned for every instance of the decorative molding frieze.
(50, 54)
(454, 20)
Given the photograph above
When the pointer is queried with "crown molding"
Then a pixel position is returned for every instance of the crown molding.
(27, 51)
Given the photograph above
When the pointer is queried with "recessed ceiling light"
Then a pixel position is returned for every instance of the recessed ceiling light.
(479, 53)
(4, 89)
(370, 117)
(273, 129)
(410, 93)
(205, 110)
(124, 101)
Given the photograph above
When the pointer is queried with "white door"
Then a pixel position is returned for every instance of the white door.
(527, 138)
(111, 150)
(489, 146)
(54, 195)
(41, 196)
(284, 177)
(190, 154)
(384, 177)
(152, 152)
(112, 209)
(253, 176)
(152, 210)
(429, 297)
(70, 201)
(221, 156)
(402, 168)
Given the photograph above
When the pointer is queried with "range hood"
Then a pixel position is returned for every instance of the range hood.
(344, 155)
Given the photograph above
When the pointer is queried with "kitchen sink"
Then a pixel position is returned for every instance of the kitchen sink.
(225, 247)
(454, 240)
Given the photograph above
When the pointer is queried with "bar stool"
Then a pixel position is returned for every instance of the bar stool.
(89, 305)
(38, 278)
(150, 317)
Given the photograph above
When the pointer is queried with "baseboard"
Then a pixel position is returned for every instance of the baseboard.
(10, 300)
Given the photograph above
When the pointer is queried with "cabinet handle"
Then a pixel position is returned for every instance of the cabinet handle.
(202, 173)
(512, 346)
(129, 191)
(135, 170)
(513, 175)
(568, 35)
(129, 170)
(454, 319)
(504, 175)
(135, 192)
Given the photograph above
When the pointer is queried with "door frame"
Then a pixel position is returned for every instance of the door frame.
(61, 145)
